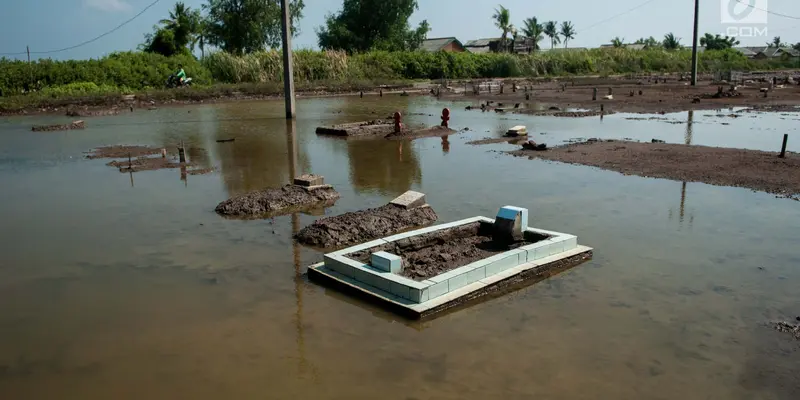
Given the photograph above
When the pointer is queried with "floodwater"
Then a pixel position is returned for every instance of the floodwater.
(119, 286)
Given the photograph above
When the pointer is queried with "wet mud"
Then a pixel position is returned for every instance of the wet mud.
(434, 131)
(361, 226)
(374, 128)
(59, 127)
(144, 158)
(752, 169)
(509, 140)
(120, 151)
(277, 201)
(787, 327)
(432, 254)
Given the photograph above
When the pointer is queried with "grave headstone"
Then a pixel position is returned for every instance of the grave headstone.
(386, 262)
(410, 200)
(510, 224)
(309, 180)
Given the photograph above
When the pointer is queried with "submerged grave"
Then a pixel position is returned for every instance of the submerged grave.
(305, 193)
(410, 210)
(383, 129)
(427, 271)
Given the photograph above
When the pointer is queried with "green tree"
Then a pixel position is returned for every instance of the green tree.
(671, 42)
(200, 37)
(551, 31)
(717, 42)
(534, 31)
(776, 42)
(567, 32)
(246, 26)
(183, 22)
(796, 46)
(363, 25)
(502, 20)
(618, 42)
(161, 41)
(650, 42)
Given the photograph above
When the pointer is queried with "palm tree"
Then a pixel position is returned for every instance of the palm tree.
(618, 42)
(182, 23)
(671, 42)
(199, 37)
(568, 32)
(502, 20)
(776, 42)
(533, 30)
(551, 30)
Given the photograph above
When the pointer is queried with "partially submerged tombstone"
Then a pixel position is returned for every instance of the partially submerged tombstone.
(59, 127)
(407, 211)
(305, 193)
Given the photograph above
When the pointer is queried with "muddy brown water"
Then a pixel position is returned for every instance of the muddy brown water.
(131, 286)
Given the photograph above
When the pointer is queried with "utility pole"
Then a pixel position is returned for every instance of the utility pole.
(694, 41)
(30, 71)
(288, 67)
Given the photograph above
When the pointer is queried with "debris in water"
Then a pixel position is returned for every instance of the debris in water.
(64, 127)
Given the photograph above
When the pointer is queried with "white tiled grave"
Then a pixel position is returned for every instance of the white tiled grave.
(420, 296)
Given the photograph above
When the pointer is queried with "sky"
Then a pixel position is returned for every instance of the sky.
(46, 25)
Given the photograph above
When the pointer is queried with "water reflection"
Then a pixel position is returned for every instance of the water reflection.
(445, 144)
(388, 167)
(256, 160)
(682, 207)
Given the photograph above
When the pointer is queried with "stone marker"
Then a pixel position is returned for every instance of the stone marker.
(309, 180)
(510, 224)
(386, 262)
(410, 200)
(519, 130)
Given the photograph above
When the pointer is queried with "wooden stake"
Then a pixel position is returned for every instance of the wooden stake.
(783, 147)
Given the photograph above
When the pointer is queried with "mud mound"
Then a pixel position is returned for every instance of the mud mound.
(362, 226)
(64, 127)
(787, 327)
(118, 151)
(276, 201)
(420, 133)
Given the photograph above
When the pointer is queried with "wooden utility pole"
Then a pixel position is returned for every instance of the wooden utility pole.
(288, 67)
(694, 41)
(30, 70)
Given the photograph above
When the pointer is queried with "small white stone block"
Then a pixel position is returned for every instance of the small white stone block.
(399, 290)
(409, 200)
(387, 262)
(438, 289)
(419, 295)
(556, 246)
(519, 130)
(512, 213)
(541, 251)
(570, 242)
(457, 282)
(502, 262)
(476, 274)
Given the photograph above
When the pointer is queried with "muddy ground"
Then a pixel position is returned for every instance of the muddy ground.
(277, 201)
(673, 96)
(788, 327)
(752, 169)
(426, 256)
(145, 158)
(365, 225)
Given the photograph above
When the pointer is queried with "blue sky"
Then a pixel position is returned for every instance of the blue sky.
(53, 24)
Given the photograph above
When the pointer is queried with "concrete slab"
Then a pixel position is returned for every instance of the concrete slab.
(519, 130)
(308, 180)
(387, 262)
(409, 200)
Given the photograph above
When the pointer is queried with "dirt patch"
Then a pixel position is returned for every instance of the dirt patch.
(62, 127)
(277, 201)
(86, 112)
(509, 140)
(421, 133)
(365, 225)
(432, 254)
(757, 170)
(374, 128)
(119, 151)
(656, 96)
(787, 327)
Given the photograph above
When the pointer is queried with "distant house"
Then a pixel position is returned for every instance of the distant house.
(776, 52)
(442, 44)
(491, 45)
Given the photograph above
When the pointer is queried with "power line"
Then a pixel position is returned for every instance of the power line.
(767, 11)
(88, 41)
(618, 15)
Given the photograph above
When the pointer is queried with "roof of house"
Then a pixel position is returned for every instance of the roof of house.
(478, 49)
(752, 51)
(436, 44)
(481, 42)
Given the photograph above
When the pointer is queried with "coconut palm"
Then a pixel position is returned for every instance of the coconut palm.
(199, 37)
(776, 42)
(182, 22)
(671, 42)
(568, 32)
(551, 31)
(618, 42)
(502, 20)
(533, 30)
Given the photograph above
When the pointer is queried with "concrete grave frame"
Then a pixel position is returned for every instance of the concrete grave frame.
(420, 299)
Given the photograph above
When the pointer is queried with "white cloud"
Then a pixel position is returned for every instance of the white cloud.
(108, 5)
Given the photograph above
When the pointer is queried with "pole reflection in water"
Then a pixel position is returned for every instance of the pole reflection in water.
(400, 151)
(682, 208)
(291, 142)
(131, 174)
